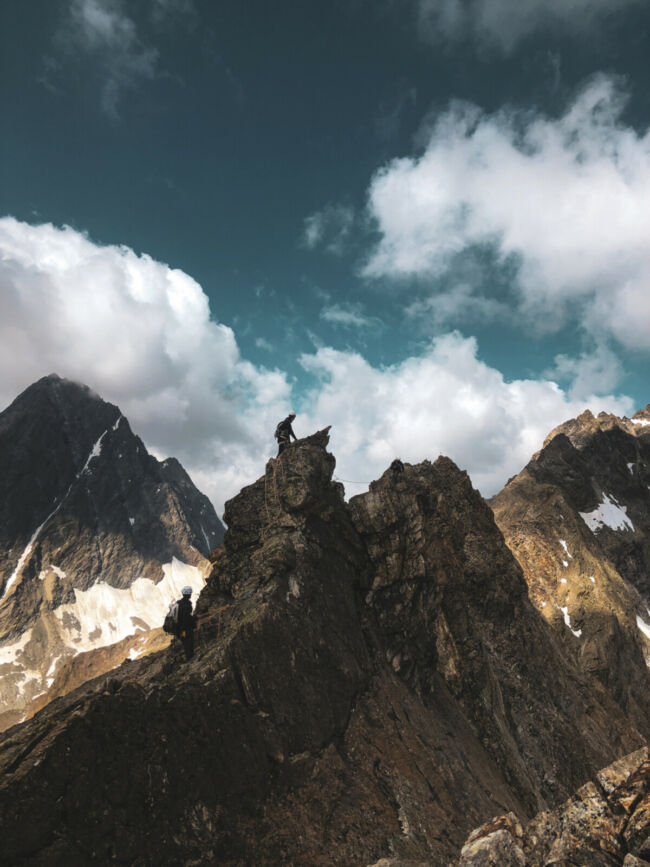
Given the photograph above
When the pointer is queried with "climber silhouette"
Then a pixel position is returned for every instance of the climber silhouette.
(284, 432)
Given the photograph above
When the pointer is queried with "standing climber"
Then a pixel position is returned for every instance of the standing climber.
(284, 432)
(397, 466)
(186, 623)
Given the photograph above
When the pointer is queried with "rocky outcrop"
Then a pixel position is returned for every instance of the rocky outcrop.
(96, 536)
(605, 824)
(370, 682)
(577, 519)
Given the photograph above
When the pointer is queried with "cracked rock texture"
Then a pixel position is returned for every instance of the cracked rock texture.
(82, 506)
(605, 824)
(373, 683)
(577, 518)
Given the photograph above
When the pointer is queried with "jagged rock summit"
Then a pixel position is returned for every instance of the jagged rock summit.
(374, 683)
(95, 536)
(577, 518)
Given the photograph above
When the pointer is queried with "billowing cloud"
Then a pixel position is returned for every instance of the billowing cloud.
(597, 371)
(563, 202)
(445, 401)
(504, 23)
(140, 334)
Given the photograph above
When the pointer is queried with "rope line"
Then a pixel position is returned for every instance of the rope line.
(220, 610)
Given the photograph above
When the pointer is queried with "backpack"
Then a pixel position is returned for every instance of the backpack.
(171, 619)
(280, 431)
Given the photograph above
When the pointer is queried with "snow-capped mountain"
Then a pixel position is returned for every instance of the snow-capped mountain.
(96, 535)
(578, 520)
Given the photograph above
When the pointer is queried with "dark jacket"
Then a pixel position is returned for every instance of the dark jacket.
(284, 430)
(186, 620)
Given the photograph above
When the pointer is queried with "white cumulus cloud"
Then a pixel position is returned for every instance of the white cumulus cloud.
(444, 401)
(563, 201)
(140, 334)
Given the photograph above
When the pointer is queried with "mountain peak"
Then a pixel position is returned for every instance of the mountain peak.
(370, 671)
(85, 514)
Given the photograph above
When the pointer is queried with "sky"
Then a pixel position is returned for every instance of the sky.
(423, 222)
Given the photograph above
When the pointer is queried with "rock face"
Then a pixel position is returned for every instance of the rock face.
(373, 683)
(577, 518)
(95, 535)
(605, 824)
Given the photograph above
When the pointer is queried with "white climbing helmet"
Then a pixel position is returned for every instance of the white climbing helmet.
(187, 590)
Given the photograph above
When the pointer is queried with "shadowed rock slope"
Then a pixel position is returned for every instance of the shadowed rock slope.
(373, 683)
(577, 518)
(94, 531)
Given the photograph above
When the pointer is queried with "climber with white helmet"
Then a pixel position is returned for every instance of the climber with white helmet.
(186, 622)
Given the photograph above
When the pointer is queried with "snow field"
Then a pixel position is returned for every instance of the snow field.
(104, 614)
(608, 514)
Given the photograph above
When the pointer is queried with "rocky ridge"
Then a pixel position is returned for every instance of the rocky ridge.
(95, 536)
(577, 518)
(605, 824)
(373, 683)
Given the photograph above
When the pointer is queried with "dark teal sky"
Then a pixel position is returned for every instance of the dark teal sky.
(255, 116)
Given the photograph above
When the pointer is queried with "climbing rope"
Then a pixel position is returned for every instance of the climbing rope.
(221, 609)
(274, 466)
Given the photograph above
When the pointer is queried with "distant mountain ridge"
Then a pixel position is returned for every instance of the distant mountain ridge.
(577, 518)
(96, 535)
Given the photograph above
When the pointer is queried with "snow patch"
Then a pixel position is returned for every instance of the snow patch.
(138, 651)
(563, 543)
(592, 579)
(51, 568)
(565, 563)
(631, 468)
(563, 580)
(103, 604)
(117, 424)
(50, 672)
(565, 611)
(643, 626)
(131, 521)
(641, 421)
(607, 514)
(95, 453)
(27, 552)
(30, 677)
(9, 652)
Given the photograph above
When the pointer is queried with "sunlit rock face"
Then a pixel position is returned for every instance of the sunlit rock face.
(578, 520)
(370, 681)
(606, 823)
(96, 535)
